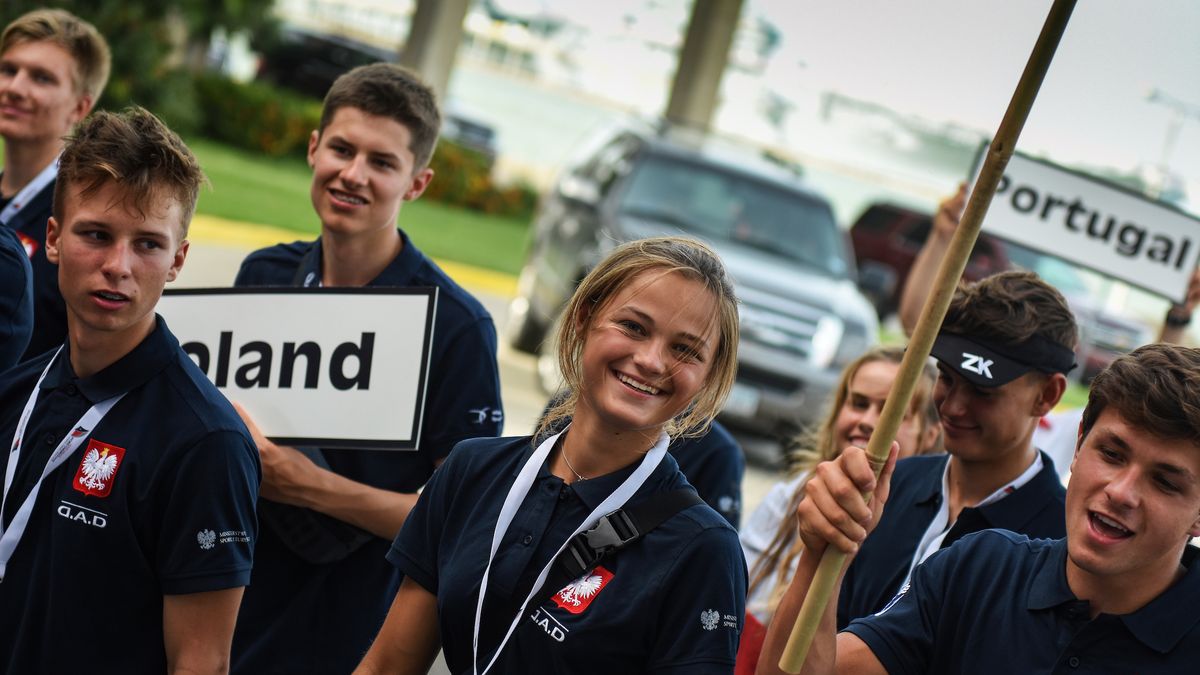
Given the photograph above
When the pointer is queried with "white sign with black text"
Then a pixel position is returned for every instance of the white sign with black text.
(328, 367)
(1103, 227)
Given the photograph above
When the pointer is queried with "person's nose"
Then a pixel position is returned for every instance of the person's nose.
(1122, 488)
(118, 260)
(354, 173)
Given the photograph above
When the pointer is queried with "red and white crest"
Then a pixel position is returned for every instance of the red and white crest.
(579, 593)
(98, 469)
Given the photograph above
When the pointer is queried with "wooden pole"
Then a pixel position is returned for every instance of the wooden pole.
(919, 346)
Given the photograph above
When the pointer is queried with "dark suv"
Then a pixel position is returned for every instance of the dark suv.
(802, 317)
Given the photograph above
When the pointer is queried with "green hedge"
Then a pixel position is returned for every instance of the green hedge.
(256, 116)
(276, 122)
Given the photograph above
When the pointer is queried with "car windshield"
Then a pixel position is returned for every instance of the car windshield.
(721, 205)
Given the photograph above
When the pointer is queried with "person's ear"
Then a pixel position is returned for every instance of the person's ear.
(53, 232)
(1050, 392)
(420, 181)
(177, 260)
(314, 139)
(83, 106)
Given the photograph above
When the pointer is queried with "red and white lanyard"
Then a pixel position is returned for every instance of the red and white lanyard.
(29, 192)
(516, 495)
(10, 536)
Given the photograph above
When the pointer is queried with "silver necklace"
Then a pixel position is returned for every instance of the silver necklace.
(562, 450)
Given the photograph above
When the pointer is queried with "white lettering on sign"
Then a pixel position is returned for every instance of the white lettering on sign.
(1096, 225)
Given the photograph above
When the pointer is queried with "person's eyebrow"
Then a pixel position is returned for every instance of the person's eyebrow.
(697, 341)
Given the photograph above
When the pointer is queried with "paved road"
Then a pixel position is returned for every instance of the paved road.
(214, 264)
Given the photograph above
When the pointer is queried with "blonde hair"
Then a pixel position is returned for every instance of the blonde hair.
(820, 445)
(77, 37)
(680, 255)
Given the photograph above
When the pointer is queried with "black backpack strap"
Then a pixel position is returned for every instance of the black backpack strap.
(612, 533)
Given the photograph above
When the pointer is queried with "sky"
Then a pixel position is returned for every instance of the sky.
(959, 61)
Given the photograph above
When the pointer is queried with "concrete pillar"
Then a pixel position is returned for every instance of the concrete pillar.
(433, 39)
(702, 62)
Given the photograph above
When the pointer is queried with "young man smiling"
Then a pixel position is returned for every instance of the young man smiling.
(1002, 353)
(1117, 594)
(53, 67)
(321, 586)
(128, 521)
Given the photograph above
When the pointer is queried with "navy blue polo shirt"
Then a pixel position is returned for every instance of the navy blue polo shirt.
(49, 309)
(714, 464)
(298, 616)
(16, 299)
(673, 602)
(879, 568)
(84, 588)
(998, 602)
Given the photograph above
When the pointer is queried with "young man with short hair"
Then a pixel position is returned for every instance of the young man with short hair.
(1003, 351)
(321, 586)
(53, 67)
(128, 517)
(1116, 594)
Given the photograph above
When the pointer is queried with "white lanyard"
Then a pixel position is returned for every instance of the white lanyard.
(29, 192)
(10, 536)
(516, 495)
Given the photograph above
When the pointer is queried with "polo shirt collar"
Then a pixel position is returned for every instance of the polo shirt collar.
(150, 357)
(929, 484)
(399, 272)
(1015, 512)
(1160, 625)
(592, 491)
(1049, 588)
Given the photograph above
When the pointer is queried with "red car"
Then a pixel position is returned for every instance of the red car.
(887, 239)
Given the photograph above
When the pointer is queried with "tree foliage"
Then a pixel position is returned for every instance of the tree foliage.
(154, 43)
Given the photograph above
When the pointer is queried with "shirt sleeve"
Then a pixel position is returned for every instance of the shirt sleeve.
(16, 299)
(718, 476)
(415, 549)
(464, 391)
(703, 606)
(207, 525)
(901, 635)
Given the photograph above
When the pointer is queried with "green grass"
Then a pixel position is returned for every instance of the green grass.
(274, 191)
(1074, 397)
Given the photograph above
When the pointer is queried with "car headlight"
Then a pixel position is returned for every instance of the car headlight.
(825, 341)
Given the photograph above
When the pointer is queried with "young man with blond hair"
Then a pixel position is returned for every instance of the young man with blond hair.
(53, 68)
(128, 524)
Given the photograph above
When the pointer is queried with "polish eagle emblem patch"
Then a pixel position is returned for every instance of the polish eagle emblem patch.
(98, 468)
(578, 594)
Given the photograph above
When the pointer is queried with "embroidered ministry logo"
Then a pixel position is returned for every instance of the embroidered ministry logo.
(709, 619)
(98, 469)
(206, 538)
